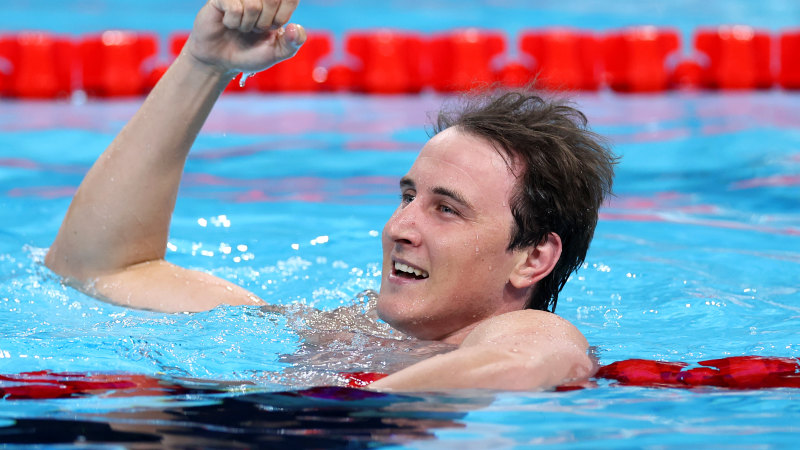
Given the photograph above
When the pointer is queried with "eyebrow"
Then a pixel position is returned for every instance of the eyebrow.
(408, 183)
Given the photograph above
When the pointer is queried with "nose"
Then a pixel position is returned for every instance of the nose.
(403, 226)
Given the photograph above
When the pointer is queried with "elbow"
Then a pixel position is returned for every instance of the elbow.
(568, 363)
(543, 371)
(579, 368)
(62, 265)
(54, 262)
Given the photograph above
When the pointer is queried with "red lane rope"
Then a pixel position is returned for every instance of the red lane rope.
(361, 379)
(115, 63)
(45, 384)
(736, 372)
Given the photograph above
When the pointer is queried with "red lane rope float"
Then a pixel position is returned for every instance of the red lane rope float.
(736, 372)
(118, 63)
(635, 59)
(460, 60)
(789, 75)
(390, 61)
(564, 58)
(739, 57)
(36, 65)
(361, 379)
(45, 384)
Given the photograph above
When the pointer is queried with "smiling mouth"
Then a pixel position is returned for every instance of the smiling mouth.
(405, 271)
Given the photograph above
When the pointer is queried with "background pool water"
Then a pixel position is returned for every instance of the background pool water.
(695, 258)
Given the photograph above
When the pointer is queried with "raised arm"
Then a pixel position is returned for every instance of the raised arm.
(113, 239)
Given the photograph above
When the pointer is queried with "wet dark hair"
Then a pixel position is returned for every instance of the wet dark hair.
(567, 171)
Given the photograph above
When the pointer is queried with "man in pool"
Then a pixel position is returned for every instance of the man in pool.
(496, 212)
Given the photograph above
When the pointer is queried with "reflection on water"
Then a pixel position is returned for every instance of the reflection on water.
(314, 418)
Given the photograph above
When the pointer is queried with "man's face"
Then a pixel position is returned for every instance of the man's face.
(445, 263)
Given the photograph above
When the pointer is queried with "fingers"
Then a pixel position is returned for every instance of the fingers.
(282, 12)
(232, 11)
(255, 15)
(252, 11)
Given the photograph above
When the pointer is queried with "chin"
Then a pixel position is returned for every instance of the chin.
(385, 312)
(389, 313)
(406, 323)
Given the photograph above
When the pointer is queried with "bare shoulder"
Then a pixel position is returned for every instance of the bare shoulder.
(526, 327)
(520, 350)
(544, 346)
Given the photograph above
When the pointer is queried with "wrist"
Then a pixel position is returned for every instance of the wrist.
(188, 74)
(205, 69)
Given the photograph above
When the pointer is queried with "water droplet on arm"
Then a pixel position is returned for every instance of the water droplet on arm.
(244, 77)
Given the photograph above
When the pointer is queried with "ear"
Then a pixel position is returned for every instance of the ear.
(536, 262)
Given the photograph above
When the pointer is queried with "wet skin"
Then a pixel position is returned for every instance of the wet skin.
(453, 224)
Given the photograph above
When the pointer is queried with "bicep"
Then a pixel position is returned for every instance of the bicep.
(162, 286)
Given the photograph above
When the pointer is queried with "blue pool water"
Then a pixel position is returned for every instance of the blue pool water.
(695, 258)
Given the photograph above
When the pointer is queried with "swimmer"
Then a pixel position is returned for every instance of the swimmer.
(495, 213)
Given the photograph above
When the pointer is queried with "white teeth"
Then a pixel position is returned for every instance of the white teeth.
(400, 267)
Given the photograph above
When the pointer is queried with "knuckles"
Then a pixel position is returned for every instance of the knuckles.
(267, 14)
(252, 8)
(234, 8)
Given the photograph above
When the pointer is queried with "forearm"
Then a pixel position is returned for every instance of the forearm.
(121, 212)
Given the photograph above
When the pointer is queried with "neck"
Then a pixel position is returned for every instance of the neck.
(457, 337)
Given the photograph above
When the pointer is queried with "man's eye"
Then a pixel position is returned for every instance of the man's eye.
(406, 198)
(447, 210)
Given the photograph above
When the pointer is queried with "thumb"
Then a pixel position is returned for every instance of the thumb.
(292, 39)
